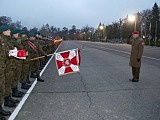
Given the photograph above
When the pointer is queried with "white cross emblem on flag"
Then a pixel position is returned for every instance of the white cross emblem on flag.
(67, 61)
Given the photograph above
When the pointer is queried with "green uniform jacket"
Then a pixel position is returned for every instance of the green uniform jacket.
(136, 52)
(26, 47)
(8, 46)
(2, 56)
(2, 69)
(33, 53)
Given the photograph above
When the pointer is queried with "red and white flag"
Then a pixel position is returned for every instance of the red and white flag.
(68, 61)
(20, 54)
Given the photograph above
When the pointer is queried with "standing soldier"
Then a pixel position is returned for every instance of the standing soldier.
(25, 65)
(2, 72)
(136, 55)
(40, 41)
(9, 71)
(16, 41)
(35, 50)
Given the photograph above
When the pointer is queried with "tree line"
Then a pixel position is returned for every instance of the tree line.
(147, 23)
(50, 31)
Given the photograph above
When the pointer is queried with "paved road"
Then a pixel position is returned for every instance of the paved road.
(151, 54)
(101, 91)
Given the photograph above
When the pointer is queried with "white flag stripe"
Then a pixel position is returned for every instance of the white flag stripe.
(74, 67)
(13, 52)
(59, 57)
(72, 54)
(61, 70)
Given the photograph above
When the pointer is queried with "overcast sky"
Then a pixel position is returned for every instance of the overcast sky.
(65, 13)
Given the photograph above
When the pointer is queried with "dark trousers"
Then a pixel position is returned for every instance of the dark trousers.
(135, 72)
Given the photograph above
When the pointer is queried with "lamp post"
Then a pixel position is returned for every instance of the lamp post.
(155, 34)
(132, 18)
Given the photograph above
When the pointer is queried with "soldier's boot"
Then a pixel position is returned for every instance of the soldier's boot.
(39, 78)
(25, 86)
(16, 93)
(3, 112)
(13, 100)
(20, 92)
(27, 80)
(33, 75)
(44, 62)
(8, 102)
(41, 67)
(134, 80)
(2, 117)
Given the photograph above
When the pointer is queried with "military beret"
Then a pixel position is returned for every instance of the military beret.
(4, 28)
(32, 35)
(37, 33)
(135, 32)
(24, 32)
(15, 31)
(43, 35)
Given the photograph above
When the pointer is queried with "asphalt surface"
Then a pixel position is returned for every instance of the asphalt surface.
(101, 90)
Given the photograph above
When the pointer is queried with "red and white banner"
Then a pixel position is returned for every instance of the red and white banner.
(20, 54)
(68, 61)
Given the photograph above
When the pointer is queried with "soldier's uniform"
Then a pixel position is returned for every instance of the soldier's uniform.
(26, 63)
(40, 41)
(9, 71)
(35, 64)
(4, 49)
(16, 41)
(2, 80)
(136, 55)
(2, 70)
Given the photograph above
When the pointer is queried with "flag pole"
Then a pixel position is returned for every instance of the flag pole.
(39, 57)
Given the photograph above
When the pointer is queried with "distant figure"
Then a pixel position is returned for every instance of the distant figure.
(136, 55)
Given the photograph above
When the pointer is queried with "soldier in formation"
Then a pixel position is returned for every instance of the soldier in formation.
(11, 73)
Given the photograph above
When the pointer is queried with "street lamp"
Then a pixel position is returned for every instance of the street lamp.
(132, 18)
(101, 28)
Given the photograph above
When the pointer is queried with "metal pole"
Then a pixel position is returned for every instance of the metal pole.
(145, 31)
(156, 34)
(150, 34)
(135, 25)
